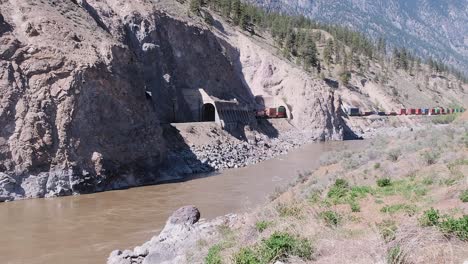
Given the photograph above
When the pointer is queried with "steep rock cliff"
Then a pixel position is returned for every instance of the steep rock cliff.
(85, 85)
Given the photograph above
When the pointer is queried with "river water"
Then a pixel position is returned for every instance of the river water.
(85, 229)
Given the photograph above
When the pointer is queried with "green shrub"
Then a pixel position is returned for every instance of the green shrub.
(395, 255)
(394, 155)
(447, 224)
(457, 227)
(444, 119)
(339, 190)
(383, 182)
(289, 210)
(314, 197)
(464, 196)
(361, 191)
(355, 207)
(387, 230)
(262, 225)
(377, 166)
(430, 217)
(331, 218)
(428, 181)
(430, 157)
(246, 256)
(280, 245)
(214, 256)
(392, 209)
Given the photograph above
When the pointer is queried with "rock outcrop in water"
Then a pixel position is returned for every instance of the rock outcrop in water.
(182, 232)
(75, 115)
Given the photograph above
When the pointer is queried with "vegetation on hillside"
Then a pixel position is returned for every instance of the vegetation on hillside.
(365, 204)
(297, 37)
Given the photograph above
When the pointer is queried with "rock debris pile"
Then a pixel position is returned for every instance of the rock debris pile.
(230, 154)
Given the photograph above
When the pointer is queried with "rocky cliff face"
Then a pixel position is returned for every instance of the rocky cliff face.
(76, 113)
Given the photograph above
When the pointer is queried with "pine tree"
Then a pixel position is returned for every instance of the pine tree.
(309, 53)
(195, 6)
(290, 44)
(226, 8)
(236, 12)
(328, 52)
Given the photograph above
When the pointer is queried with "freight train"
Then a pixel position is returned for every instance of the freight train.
(279, 112)
(354, 111)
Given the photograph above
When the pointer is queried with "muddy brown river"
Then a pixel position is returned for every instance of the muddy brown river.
(85, 229)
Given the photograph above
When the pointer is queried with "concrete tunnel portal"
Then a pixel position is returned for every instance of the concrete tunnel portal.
(208, 113)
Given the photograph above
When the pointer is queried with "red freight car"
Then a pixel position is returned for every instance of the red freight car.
(402, 111)
(419, 111)
(271, 112)
(412, 111)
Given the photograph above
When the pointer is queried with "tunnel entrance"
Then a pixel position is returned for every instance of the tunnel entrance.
(208, 113)
(282, 112)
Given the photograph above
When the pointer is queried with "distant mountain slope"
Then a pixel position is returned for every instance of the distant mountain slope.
(429, 27)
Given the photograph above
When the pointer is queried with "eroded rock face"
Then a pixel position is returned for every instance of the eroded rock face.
(75, 115)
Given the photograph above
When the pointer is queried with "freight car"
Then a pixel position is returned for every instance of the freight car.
(279, 112)
(409, 111)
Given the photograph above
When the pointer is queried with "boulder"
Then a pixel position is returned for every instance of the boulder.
(188, 215)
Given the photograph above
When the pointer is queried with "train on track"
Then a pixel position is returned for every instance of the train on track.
(279, 112)
(354, 111)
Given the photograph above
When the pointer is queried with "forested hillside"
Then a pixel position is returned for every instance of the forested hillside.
(427, 27)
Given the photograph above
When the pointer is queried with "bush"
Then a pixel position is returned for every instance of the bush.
(338, 190)
(246, 256)
(214, 256)
(377, 166)
(388, 229)
(394, 155)
(384, 182)
(262, 225)
(355, 207)
(430, 157)
(314, 196)
(457, 227)
(444, 119)
(291, 210)
(430, 217)
(392, 209)
(395, 255)
(279, 246)
(331, 218)
(345, 77)
(464, 196)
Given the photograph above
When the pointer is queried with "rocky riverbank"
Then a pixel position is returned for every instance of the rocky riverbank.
(230, 154)
(183, 231)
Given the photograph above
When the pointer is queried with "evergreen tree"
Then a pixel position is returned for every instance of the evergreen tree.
(290, 43)
(195, 6)
(309, 53)
(236, 12)
(328, 52)
(226, 8)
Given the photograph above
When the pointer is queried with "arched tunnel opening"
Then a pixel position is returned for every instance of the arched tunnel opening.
(282, 113)
(208, 113)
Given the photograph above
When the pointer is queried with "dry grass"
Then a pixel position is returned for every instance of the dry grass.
(363, 222)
